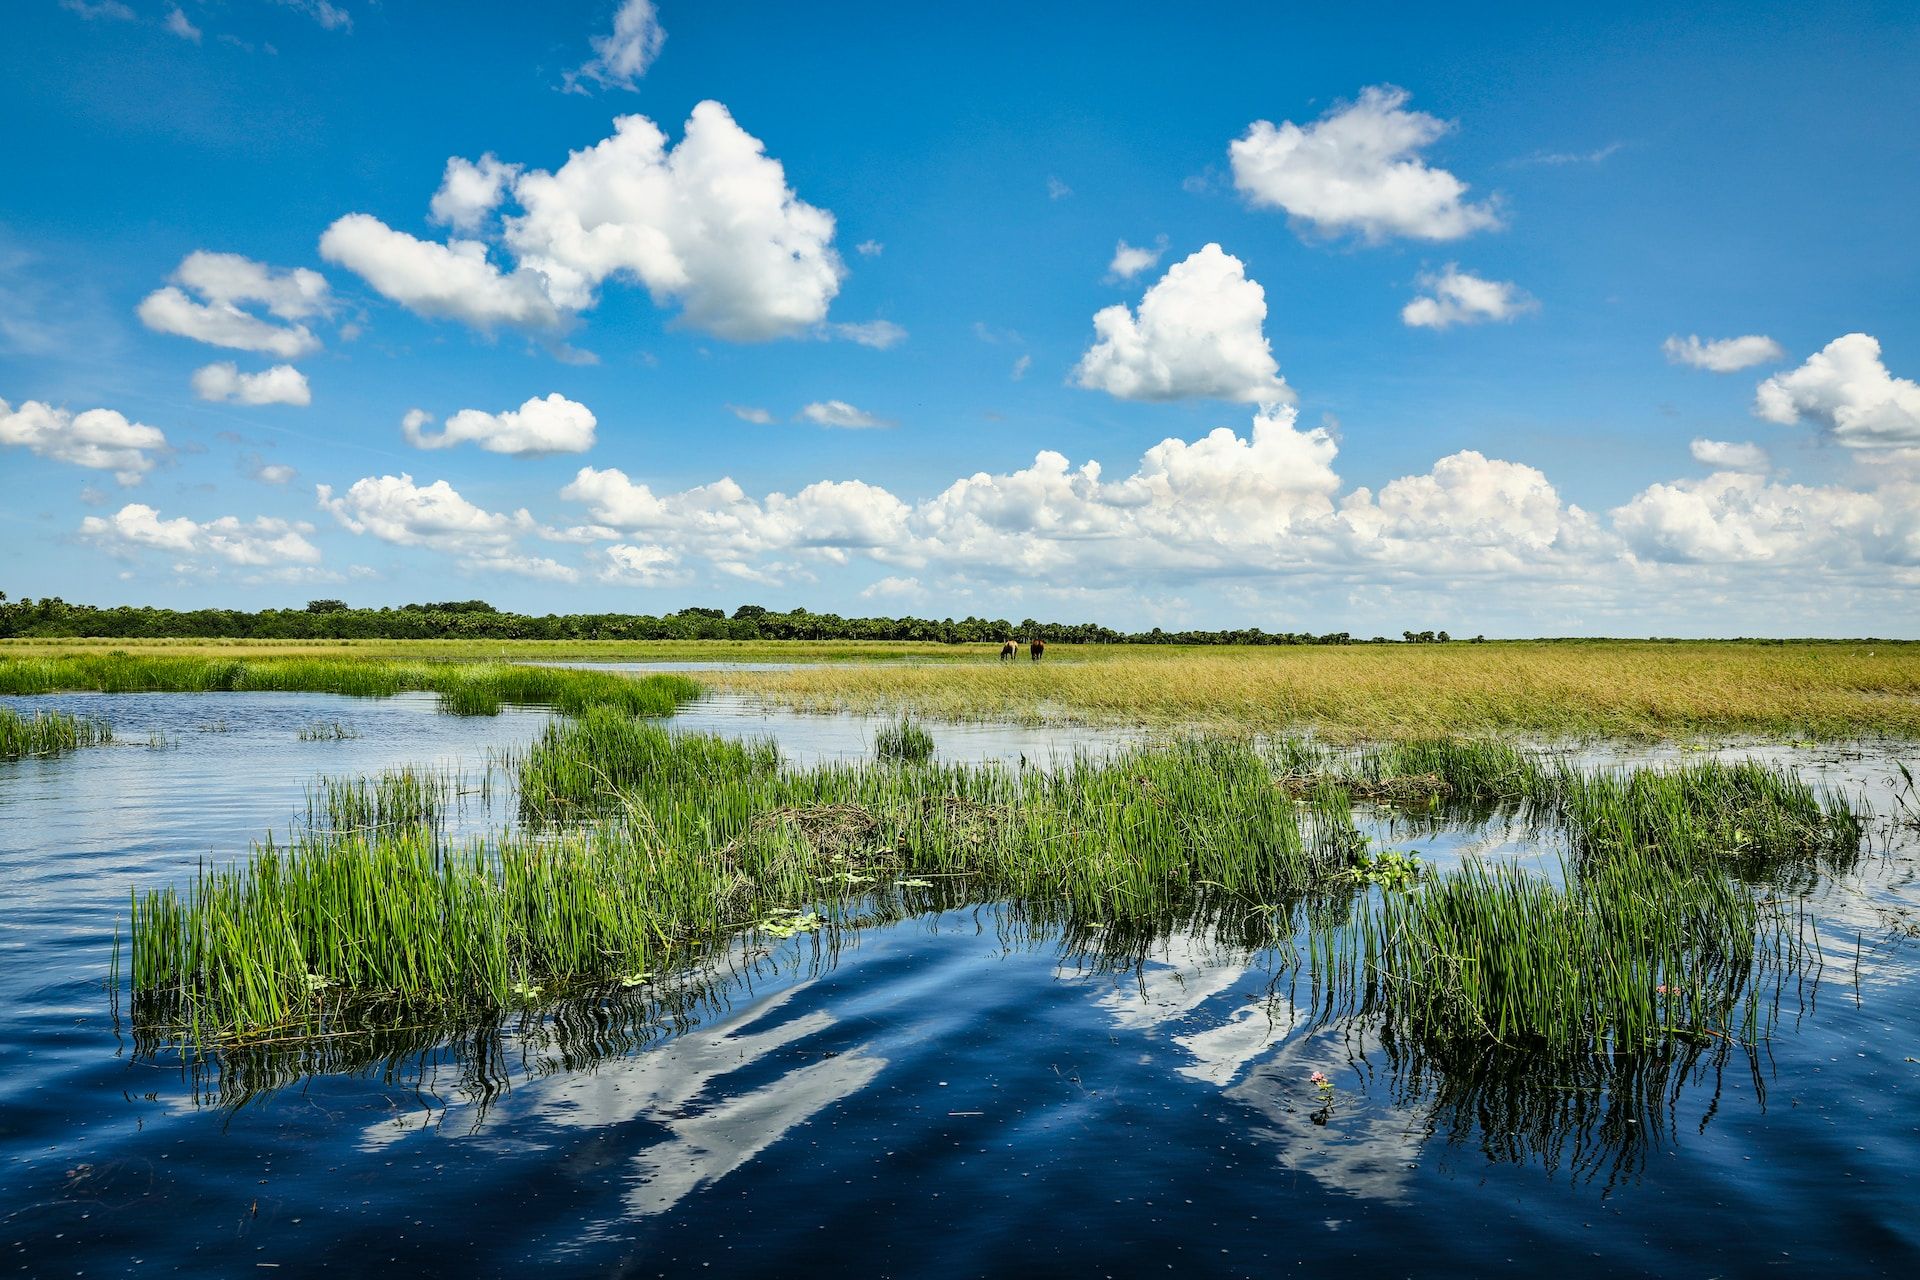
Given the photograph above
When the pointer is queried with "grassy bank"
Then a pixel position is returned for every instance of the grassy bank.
(1635, 689)
(645, 849)
(1598, 689)
(48, 733)
(465, 688)
(810, 651)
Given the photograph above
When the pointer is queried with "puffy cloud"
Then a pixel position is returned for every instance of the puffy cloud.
(1472, 515)
(1724, 455)
(1733, 518)
(838, 413)
(454, 280)
(1265, 514)
(623, 55)
(178, 24)
(1130, 260)
(647, 565)
(1459, 297)
(395, 509)
(869, 248)
(827, 518)
(226, 281)
(223, 381)
(709, 223)
(469, 191)
(265, 541)
(1197, 333)
(1846, 389)
(878, 334)
(1358, 169)
(102, 439)
(554, 424)
(748, 413)
(1723, 355)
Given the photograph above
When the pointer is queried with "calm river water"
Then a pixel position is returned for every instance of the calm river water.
(960, 1093)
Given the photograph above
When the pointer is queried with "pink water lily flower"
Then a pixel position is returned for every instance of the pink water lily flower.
(1318, 1077)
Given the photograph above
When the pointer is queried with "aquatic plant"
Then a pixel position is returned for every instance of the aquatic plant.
(48, 733)
(1753, 819)
(698, 838)
(690, 840)
(465, 688)
(904, 741)
(326, 731)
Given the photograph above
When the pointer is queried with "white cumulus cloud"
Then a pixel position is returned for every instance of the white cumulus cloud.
(1725, 455)
(1732, 517)
(223, 381)
(454, 280)
(1723, 355)
(1846, 389)
(1459, 297)
(553, 424)
(1358, 170)
(470, 190)
(102, 439)
(262, 542)
(709, 223)
(225, 283)
(395, 509)
(623, 55)
(1197, 333)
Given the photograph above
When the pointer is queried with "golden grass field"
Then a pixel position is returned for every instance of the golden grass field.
(1578, 688)
(1623, 688)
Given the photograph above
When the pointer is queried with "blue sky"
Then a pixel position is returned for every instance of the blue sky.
(224, 290)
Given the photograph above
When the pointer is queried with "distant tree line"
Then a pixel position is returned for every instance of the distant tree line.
(52, 617)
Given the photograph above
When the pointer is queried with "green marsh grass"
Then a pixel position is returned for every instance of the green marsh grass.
(48, 733)
(903, 741)
(465, 688)
(647, 848)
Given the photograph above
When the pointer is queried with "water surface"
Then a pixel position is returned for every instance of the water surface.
(963, 1091)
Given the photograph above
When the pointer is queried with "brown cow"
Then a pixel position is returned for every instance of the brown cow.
(1037, 648)
(1009, 651)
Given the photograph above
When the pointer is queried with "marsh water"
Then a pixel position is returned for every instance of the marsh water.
(960, 1089)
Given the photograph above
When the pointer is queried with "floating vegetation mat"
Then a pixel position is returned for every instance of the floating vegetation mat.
(48, 733)
(644, 851)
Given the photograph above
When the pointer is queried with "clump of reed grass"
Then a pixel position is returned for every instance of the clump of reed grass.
(397, 800)
(903, 741)
(1626, 953)
(699, 837)
(693, 839)
(1752, 819)
(326, 731)
(48, 733)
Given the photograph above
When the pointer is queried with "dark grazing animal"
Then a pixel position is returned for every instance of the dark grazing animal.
(1037, 648)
